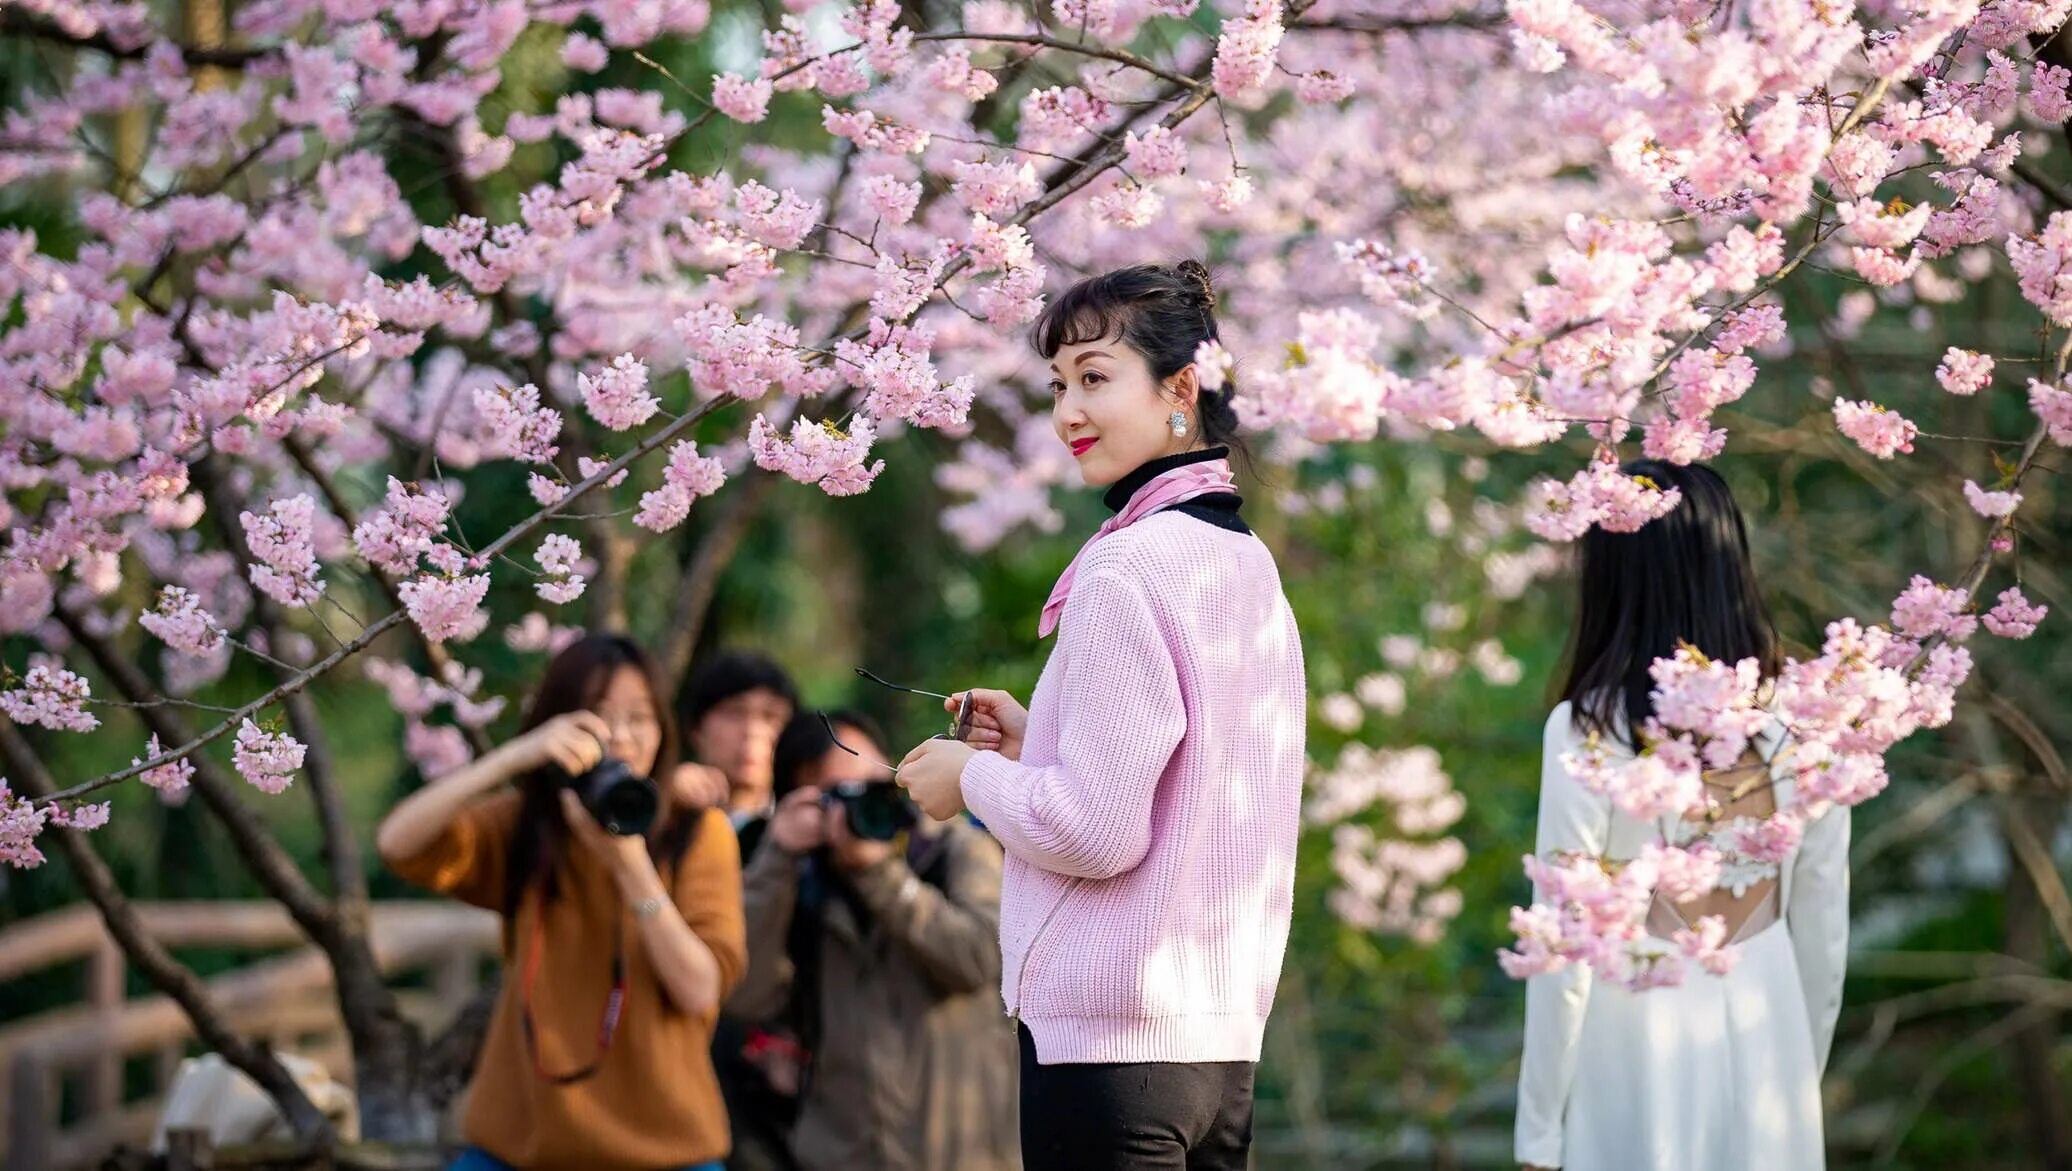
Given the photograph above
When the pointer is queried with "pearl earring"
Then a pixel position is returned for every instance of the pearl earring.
(1179, 422)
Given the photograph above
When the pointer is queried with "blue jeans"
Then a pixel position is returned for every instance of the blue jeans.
(477, 1159)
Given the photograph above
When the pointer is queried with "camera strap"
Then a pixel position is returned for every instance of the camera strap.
(614, 1004)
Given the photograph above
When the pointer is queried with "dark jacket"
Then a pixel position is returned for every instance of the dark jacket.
(913, 1061)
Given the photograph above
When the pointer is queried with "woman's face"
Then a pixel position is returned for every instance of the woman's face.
(1112, 413)
(628, 707)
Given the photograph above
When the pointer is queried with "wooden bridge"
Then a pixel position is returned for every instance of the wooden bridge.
(81, 1054)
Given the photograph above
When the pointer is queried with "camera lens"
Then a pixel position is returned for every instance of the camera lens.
(876, 810)
(622, 802)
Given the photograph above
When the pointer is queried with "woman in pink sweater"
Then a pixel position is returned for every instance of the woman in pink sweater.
(1148, 798)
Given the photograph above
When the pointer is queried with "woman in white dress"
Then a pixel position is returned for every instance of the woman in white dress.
(1720, 1072)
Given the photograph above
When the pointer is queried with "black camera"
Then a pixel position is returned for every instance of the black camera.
(622, 801)
(876, 810)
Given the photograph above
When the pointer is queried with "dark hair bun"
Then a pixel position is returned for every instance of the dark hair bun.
(1198, 272)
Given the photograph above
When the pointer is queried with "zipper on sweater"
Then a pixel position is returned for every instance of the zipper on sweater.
(1021, 978)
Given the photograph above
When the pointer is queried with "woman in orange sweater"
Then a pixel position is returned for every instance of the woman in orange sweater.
(618, 950)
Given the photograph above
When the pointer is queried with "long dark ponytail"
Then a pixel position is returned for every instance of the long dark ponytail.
(1682, 577)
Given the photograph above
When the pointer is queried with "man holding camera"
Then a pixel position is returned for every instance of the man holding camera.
(874, 934)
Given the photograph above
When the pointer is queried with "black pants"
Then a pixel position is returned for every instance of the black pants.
(1140, 1117)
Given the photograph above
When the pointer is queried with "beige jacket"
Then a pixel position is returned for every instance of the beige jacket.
(915, 1065)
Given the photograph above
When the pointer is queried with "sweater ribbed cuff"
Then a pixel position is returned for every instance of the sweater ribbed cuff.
(984, 783)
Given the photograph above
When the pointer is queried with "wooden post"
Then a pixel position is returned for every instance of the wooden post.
(31, 1111)
(105, 992)
(457, 976)
(189, 1150)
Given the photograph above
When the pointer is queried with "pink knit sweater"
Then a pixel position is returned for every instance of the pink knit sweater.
(1150, 823)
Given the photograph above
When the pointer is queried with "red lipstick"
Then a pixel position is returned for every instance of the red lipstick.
(1082, 446)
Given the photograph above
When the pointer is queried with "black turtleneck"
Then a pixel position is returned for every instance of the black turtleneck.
(1218, 508)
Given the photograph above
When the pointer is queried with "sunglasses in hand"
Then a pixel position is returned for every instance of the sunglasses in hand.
(960, 725)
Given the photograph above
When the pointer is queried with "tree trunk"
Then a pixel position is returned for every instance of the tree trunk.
(2028, 940)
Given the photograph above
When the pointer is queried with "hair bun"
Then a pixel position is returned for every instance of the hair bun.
(1199, 272)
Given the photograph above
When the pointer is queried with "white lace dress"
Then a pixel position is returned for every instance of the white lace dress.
(1720, 1073)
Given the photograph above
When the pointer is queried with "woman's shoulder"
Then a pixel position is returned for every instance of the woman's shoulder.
(710, 828)
(1565, 729)
(1169, 546)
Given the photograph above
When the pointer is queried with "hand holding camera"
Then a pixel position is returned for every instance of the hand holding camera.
(576, 744)
(573, 742)
(856, 820)
(800, 824)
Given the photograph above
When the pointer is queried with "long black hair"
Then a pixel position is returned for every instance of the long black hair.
(575, 680)
(1162, 311)
(1682, 577)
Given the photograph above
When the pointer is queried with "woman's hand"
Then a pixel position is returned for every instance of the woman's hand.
(698, 786)
(998, 723)
(933, 775)
(572, 742)
(626, 854)
(799, 825)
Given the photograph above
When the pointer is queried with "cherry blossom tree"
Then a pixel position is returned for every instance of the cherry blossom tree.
(259, 413)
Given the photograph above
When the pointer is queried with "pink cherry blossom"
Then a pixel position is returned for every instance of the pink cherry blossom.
(687, 476)
(2014, 616)
(1878, 430)
(617, 395)
(52, 697)
(447, 608)
(170, 778)
(517, 426)
(82, 816)
(584, 54)
(741, 99)
(20, 823)
(266, 760)
(181, 622)
(283, 543)
(1705, 943)
(559, 556)
(1127, 205)
(1991, 504)
(1925, 609)
(1156, 154)
(2053, 405)
(393, 537)
(1323, 87)
(1213, 365)
(891, 199)
(1964, 372)
(818, 453)
(2041, 262)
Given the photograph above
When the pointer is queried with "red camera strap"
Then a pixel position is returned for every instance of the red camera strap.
(614, 1003)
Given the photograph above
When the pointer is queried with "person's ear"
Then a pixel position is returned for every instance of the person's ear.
(1183, 389)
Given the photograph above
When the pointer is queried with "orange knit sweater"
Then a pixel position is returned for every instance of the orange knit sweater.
(654, 1101)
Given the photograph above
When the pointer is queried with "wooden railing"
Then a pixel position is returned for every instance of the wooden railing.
(286, 999)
